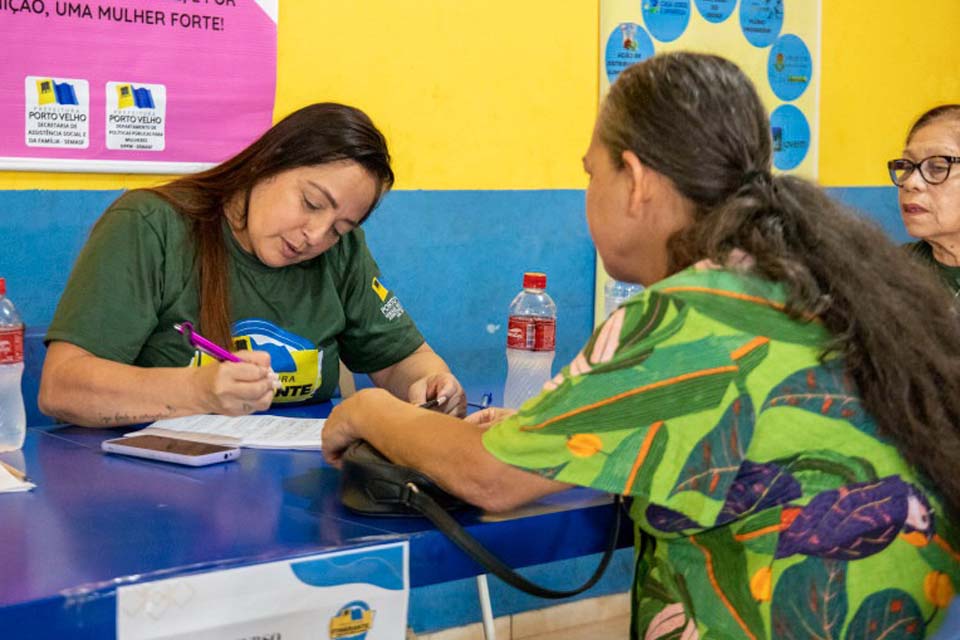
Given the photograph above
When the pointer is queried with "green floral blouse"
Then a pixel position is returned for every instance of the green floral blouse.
(770, 505)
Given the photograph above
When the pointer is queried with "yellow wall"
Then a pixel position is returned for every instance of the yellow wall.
(501, 94)
(884, 63)
(498, 94)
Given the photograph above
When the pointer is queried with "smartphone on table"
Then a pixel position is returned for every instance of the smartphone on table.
(188, 452)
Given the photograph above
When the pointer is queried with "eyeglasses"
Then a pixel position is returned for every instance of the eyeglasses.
(933, 170)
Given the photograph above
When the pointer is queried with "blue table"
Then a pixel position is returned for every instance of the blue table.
(97, 521)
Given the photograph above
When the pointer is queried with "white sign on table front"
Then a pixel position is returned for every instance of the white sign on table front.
(360, 594)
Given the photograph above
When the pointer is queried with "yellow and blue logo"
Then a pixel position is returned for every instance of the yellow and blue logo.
(129, 96)
(353, 621)
(296, 360)
(50, 92)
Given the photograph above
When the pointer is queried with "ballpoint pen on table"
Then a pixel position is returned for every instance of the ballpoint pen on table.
(214, 350)
(16, 473)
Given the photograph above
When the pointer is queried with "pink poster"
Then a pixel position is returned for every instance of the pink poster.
(134, 86)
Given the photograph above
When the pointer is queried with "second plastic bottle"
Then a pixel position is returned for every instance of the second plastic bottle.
(531, 341)
(616, 292)
(13, 419)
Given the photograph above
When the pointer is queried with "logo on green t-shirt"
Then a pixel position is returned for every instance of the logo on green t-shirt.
(296, 360)
(392, 309)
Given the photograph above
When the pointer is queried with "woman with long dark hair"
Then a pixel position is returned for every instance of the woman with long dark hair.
(264, 255)
(781, 402)
(928, 183)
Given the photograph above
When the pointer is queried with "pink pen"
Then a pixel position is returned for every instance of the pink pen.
(214, 350)
(210, 348)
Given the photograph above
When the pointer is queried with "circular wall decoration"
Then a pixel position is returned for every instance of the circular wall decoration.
(666, 19)
(716, 11)
(627, 44)
(789, 67)
(761, 21)
(791, 136)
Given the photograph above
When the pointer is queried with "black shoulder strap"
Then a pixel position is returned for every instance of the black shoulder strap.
(443, 521)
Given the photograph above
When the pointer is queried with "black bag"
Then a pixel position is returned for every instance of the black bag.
(372, 485)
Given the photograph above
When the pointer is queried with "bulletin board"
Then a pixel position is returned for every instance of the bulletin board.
(775, 42)
(134, 86)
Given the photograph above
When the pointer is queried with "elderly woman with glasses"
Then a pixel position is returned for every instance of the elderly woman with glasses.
(930, 191)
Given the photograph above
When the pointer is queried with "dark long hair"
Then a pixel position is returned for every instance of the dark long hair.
(697, 120)
(313, 135)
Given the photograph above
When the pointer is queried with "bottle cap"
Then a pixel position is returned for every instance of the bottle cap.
(3, 287)
(534, 280)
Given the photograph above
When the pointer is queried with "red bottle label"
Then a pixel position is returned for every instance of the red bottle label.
(546, 334)
(11, 346)
(532, 333)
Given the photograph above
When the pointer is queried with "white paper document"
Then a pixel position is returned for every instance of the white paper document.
(258, 432)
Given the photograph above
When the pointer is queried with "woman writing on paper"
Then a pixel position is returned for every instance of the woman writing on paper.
(264, 255)
(781, 402)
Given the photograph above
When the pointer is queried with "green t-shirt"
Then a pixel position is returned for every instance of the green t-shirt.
(135, 278)
(771, 506)
(924, 252)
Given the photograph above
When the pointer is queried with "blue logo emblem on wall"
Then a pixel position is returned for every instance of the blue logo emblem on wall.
(791, 136)
(761, 21)
(666, 19)
(352, 621)
(789, 67)
(627, 44)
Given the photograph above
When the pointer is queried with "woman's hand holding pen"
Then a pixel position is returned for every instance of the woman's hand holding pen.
(237, 388)
(442, 387)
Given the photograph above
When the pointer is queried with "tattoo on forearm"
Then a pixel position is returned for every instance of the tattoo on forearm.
(125, 418)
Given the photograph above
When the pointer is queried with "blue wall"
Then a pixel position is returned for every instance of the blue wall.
(877, 203)
(42, 232)
(454, 604)
(456, 259)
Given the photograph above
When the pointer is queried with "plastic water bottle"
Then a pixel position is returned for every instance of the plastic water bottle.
(13, 418)
(531, 341)
(615, 292)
